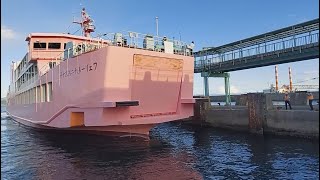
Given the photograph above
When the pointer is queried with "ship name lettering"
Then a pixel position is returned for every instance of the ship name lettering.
(78, 70)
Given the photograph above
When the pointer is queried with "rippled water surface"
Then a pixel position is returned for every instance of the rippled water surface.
(175, 151)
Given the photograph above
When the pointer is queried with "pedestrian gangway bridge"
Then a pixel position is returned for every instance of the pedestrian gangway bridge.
(290, 44)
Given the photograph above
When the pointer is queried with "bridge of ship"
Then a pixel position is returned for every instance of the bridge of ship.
(290, 44)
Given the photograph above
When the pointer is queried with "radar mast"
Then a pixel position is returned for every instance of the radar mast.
(86, 23)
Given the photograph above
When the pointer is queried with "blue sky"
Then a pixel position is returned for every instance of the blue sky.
(207, 22)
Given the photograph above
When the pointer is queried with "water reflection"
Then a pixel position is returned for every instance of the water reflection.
(175, 151)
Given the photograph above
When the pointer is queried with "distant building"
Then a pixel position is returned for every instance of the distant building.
(282, 89)
(271, 90)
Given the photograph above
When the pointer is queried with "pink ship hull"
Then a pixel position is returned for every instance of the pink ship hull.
(113, 90)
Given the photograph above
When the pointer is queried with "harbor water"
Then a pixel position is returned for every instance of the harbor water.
(175, 151)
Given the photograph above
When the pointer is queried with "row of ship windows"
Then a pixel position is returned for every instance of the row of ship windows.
(37, 94)
(43, 45)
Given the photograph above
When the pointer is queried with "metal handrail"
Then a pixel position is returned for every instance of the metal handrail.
(260, 50)
(46, 67)
(138, 40)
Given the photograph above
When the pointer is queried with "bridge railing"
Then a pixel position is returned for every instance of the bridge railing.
(261, 49)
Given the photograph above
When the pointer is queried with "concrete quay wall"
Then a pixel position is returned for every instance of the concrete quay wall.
(260, 117)
(297, 98)
(297, 123)
(237, 119)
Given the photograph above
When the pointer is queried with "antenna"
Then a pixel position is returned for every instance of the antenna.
(157, 26)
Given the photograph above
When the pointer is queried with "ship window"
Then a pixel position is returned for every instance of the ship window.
(32, 96)
(39, 45)
(54, 45)
(25, 97)
(52, 64)
(38, 94)
(22, 98)
(49, 91)
(29, 96)
(43, 93)
(65, 45)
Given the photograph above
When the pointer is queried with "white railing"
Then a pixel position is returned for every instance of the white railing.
(147, 42)
(80, 48)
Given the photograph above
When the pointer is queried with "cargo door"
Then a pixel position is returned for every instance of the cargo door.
(156, 84)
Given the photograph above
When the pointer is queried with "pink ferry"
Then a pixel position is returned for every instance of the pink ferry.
(123, 84)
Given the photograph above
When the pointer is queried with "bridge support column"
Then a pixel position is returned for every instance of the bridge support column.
(227, 88)
(206, 85)
(226, 77)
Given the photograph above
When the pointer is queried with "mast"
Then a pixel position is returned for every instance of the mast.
(86, 23)
(157, 26)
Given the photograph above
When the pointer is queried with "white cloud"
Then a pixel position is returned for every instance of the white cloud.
(7, 33)
(311, 72)
(233, 90)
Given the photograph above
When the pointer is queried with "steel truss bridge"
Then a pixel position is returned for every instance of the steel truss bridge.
(290, 44)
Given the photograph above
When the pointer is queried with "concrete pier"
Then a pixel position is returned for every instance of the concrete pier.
(259, 115)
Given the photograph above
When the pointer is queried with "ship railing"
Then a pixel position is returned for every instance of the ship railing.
(22, 66)
(125, 39)
(55, 60)
(42, 71)
(148, 42)
(49, 54)
(75, 50)
(83, 47)
(28, 83)
(61, 56)
(46, 67)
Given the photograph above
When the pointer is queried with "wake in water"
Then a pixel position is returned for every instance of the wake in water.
(4, 115)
